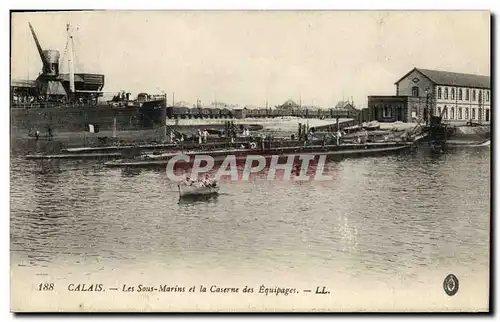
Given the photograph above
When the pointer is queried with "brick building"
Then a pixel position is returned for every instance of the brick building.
(454, 96)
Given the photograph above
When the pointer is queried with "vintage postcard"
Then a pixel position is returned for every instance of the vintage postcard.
(250, 161)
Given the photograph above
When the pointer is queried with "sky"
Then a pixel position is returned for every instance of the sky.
(248, 57)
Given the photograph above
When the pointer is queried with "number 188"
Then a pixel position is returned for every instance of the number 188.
(46, 287)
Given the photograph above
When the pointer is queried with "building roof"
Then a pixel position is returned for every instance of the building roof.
(289, 103)
(344, 105)
(22, 83)
(452, 79)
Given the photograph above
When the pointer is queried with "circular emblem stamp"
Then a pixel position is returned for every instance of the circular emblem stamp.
(450, 285)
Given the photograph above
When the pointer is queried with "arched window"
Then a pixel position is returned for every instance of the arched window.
(459, 113)
(460, 94)
(445, 112)
(487, 96)
(414, 91)
(480, 98)
(466, 113)
(473, 97)
(439, 111)
(452, 116)
(446, 93)
(473, 113)
(467, 94)
(452, 93)
(439, 93)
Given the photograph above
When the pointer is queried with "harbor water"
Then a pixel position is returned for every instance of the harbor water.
(393, 225)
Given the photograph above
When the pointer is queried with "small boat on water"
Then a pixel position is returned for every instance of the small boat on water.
(197, 189)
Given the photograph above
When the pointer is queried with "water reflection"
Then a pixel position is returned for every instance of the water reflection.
(188, 200)
(130, 172)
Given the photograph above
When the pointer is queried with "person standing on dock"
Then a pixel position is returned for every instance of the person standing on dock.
(205, 135)
(338, 137)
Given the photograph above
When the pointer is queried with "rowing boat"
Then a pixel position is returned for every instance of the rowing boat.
(197, 190)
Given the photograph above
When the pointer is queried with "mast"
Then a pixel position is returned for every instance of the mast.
(70, 60)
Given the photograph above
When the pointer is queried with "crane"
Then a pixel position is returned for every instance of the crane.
(46, 67)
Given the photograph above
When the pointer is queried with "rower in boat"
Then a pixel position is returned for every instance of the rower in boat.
(197, 188)
(188, 181)
(209, 182)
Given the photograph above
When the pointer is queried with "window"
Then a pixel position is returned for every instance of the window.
(414, 111)
(439, 111)
(487, 116)
(467, 94)
(414, 91)
(460, 94)
(446, 93)
(445, 112)
(459, 113)
(387, 111)
(487, 96)
(466, 113)
(452, 93)
(480, 96)
(439, 93)
(473, 113)
(452, 113)
(473, 94)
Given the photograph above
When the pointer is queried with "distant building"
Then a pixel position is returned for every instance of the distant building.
(183, 104)
(288, 104)
(311, 107)
(454, 96)
(345, 106)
